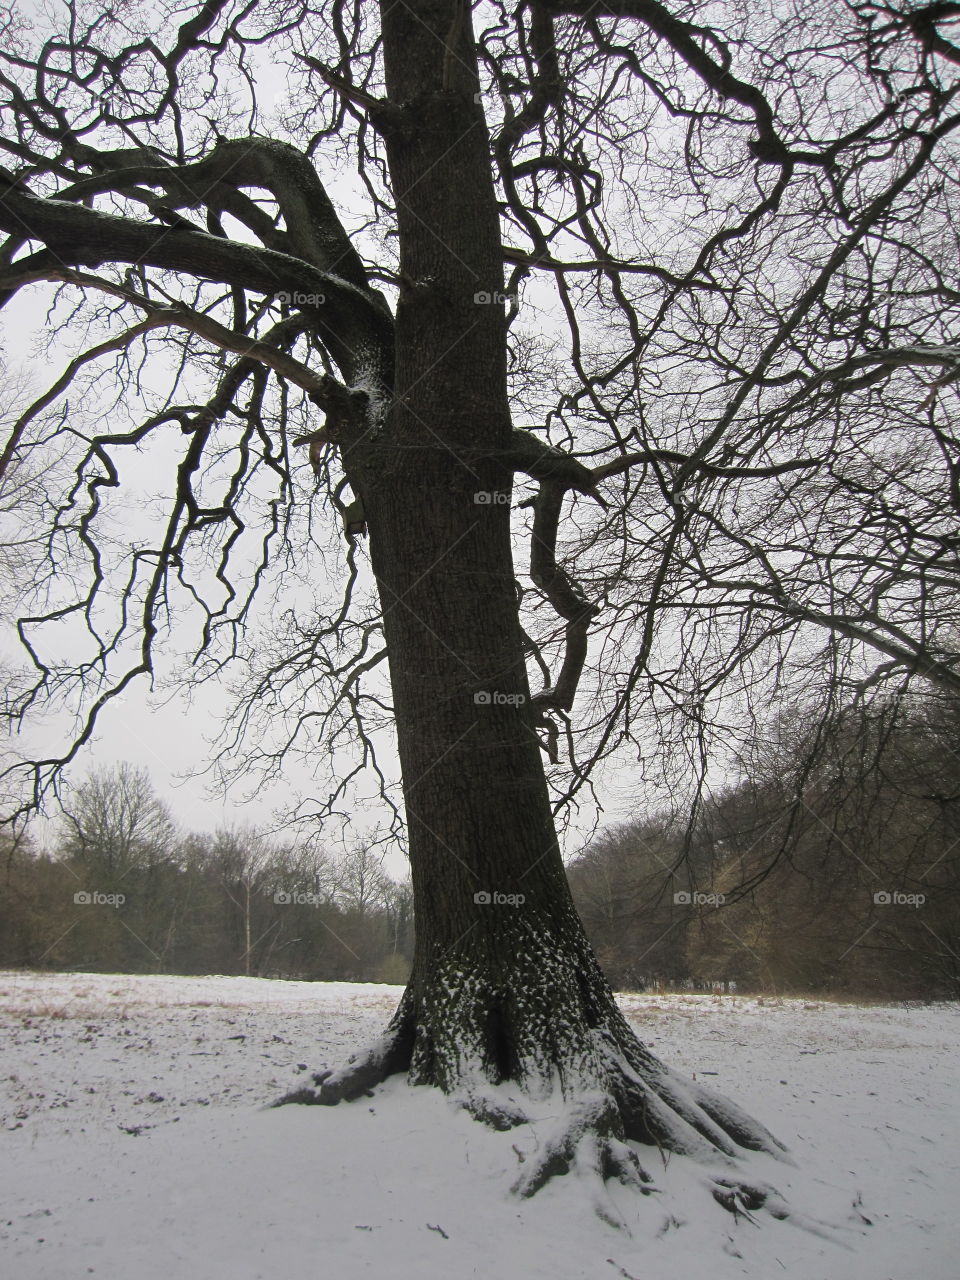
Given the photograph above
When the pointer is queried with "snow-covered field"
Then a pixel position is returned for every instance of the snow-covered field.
(135, 1145)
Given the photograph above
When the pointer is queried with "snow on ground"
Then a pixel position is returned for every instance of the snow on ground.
(135, 1144)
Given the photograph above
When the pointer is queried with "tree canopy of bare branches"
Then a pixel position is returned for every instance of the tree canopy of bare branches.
(687, 279)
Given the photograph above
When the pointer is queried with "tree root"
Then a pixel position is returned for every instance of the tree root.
(363, 1071)
(611, 1092)
(497, 1113)
(659, 1107)
(588, 1139)
(742, 1199)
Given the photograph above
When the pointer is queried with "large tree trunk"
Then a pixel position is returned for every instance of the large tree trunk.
(505, 988)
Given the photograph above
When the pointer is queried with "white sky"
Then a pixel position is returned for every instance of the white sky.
(164, 733)
(172, 739)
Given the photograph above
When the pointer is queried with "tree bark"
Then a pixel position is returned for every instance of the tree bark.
(505, 990)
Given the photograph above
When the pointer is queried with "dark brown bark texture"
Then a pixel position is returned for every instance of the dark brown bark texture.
(505, 990)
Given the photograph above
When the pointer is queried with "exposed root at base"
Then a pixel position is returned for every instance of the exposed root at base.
(386, 1057)
(591, 1132)
(588, 1139)
(503, 1064)
(742, 1199)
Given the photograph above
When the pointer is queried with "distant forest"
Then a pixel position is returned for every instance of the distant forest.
(832, 867)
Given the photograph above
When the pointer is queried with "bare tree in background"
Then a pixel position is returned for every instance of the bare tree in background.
(118, 837)
(745, 433)
(361, 881)
(114, 823)
(245, 865)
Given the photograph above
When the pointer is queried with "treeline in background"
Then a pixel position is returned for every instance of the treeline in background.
(121, 889)
(833, 869)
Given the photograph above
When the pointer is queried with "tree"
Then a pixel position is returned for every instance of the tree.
(244, 863)
(625, 885)
(748, 230)
(115, 824)
(839, 861)
(361, 880)
(118, 838)
(400, 931)
(34, 909)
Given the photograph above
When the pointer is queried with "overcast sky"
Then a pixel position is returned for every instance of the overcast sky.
(168, 737)
(164, 733)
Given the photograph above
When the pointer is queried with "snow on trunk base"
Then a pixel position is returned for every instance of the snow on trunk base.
(135, 1146)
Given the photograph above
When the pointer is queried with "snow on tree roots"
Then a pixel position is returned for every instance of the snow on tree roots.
(503, 1044)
